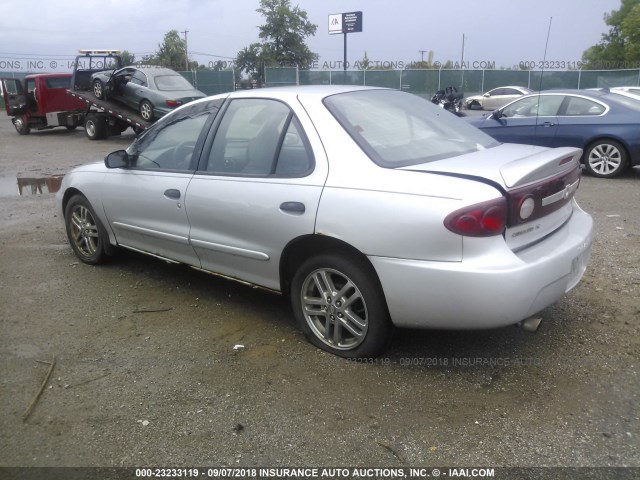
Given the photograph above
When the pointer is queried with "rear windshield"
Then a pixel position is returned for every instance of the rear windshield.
(172, 82)
(397, 129)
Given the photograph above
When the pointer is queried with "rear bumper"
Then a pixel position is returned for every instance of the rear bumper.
(492, 286)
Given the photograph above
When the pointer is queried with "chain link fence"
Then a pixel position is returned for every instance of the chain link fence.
(211, 82)
(426, 82)
(419, 82)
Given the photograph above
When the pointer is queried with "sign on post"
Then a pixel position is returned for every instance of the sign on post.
(345, 23)
(350, 22)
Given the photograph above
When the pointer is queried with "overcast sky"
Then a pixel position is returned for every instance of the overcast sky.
(505, 32)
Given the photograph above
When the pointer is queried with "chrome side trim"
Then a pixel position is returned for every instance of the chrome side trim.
(137, 250)
(154, 233)
(235, 279)
(562, 194)
(240, 252)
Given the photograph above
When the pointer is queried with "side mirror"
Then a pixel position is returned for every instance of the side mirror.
(117, 159)
(486, 95)
(496, 114)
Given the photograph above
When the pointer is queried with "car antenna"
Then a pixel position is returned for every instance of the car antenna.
(544, 59)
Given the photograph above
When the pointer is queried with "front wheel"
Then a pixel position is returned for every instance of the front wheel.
(86, 234)
(98, 89)
(22, 125)
(146, 110)
(605, 158)
(340, 307)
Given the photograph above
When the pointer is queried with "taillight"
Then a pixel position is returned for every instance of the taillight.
(173, 103)
(480, 220)
(542, 198)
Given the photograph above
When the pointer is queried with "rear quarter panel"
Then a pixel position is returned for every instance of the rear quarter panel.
(582, 131)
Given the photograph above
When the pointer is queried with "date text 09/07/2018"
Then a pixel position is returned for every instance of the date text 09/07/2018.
(311, 472)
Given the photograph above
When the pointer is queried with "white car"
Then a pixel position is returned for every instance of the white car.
(371, 208)
(495, 98)
(633, 92)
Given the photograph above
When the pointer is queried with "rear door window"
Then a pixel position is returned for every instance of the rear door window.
(259, 137)
(578, 106)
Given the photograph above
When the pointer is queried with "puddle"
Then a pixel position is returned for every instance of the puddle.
(25, 185)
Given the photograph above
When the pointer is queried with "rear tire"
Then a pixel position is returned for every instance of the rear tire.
(605, 158)
(340, 307)
(95, 127)
(146, 110)
(87, 236)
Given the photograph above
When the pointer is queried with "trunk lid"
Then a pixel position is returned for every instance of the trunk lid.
(539, 184)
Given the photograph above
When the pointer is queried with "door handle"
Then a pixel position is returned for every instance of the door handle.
(172, 193)
(548, 124)
(293, 207)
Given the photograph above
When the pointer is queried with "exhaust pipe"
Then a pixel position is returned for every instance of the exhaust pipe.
(530, 324)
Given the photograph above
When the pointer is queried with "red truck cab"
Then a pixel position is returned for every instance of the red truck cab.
(40, 101)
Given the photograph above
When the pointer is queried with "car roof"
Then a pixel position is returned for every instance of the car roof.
(572, 91)
(286, 93)
(48, 75)
(154, 71)
(289, 92)
(513, 86)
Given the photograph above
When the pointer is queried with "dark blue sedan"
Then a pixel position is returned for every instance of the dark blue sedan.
(604, 124)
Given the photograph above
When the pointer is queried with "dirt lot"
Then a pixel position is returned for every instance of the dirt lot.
(166, 387)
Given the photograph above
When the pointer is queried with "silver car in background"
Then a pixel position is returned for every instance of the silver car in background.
(495, 98)
(370, 208)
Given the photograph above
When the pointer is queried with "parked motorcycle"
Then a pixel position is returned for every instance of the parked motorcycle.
(449, 99)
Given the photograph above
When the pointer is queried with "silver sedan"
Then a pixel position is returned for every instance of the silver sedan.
(496, 98)
(370, 208)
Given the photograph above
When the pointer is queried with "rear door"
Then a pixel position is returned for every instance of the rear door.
(257, 188)
(13, 93)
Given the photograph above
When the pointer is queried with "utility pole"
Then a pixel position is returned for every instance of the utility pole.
(462, 64)
(422, 52)
(186, 49)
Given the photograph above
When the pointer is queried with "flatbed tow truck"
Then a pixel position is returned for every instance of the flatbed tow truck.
(48, 100)
(102, 118)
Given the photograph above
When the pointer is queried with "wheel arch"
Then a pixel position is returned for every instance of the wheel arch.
(302, 248)
(71, 192)
(68, 194)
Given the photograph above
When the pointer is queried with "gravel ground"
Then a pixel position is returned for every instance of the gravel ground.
(160, 388)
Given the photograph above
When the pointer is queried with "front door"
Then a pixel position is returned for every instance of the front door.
(145, 203)
(532, 120)
(15, 100)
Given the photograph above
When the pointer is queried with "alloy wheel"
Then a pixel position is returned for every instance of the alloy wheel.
(84, 231)
(334, 309)
(605, 159)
